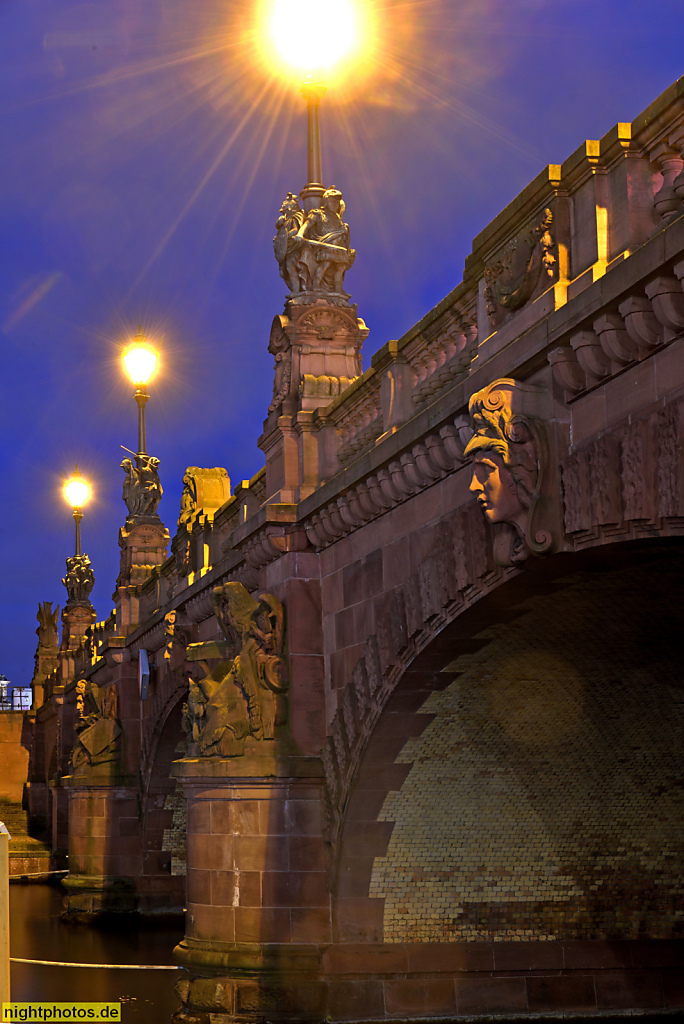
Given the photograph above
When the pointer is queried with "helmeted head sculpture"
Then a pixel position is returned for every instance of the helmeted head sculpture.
(507, 452)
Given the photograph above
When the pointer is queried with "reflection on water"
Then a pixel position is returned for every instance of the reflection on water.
(37, 933)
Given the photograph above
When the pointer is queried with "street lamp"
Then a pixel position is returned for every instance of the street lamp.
(140, 359)
(76, 493)
(336, 34)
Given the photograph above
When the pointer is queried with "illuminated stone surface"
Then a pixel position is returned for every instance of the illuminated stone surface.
(546, 788)
(311, 891)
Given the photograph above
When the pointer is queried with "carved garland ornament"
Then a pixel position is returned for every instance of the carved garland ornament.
(509, 454)
(511, 281)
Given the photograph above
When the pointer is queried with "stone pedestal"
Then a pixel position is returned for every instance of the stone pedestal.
(76, 617)
(143, 541)
(317, 350)
(257, 894)
(104, 844)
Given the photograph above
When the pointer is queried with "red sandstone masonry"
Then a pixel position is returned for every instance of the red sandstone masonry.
(14, 755)
(458, 978)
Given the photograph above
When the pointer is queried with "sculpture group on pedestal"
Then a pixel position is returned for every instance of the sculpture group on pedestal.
(142, 489)
(313, 249)
(238, 697)
(79, 579)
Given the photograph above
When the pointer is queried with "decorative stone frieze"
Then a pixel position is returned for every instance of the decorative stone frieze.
(412, 472)
(272, 542)
(628, 483)
(98, 729)
(238, 697)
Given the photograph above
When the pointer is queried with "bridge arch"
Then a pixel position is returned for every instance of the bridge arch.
(163, 813)
(524, 778)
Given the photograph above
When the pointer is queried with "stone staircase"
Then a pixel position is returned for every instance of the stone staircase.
(28, 855)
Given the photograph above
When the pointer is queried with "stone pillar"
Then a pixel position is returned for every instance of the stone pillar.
(317, 350)
(60, 819)
(104, 844)
(257, 893)
(105, 848)
(143, 541)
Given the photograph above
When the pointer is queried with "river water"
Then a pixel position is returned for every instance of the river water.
(37, 933)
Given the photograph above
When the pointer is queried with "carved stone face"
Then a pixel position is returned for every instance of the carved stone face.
(494, 487)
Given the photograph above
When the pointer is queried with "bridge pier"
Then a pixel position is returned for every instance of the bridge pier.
(258, 903)
(104, 845)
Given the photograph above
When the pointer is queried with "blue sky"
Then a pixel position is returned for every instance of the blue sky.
(145, 154)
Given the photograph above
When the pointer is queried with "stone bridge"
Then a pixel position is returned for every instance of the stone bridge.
(417, 684)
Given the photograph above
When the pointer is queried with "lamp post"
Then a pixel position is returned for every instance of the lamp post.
(313, 91)
(140, 360)
(76, 494)
(336, 22)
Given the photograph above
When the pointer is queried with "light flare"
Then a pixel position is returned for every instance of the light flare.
(140, 359)
(320, 38)
(76, 490)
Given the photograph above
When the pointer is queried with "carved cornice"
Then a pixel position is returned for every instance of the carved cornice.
(413, 471)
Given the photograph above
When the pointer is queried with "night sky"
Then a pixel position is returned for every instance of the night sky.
(145, 153)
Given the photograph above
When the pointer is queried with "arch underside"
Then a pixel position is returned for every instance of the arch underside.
(162, 882)
(525, 779)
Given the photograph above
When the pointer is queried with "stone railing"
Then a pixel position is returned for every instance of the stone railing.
(405, 376)
(441, 356)
(648, 317)
(412, 471)
(356, 418)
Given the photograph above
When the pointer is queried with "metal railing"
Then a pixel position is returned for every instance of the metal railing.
(18, 699)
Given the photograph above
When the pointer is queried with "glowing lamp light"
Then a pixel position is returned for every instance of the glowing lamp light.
(140, 359)
(313, 35)
(76, 490)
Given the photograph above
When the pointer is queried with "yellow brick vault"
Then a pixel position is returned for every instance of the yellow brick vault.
(545, 799)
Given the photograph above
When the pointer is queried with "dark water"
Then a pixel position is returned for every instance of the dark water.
(36, 932)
